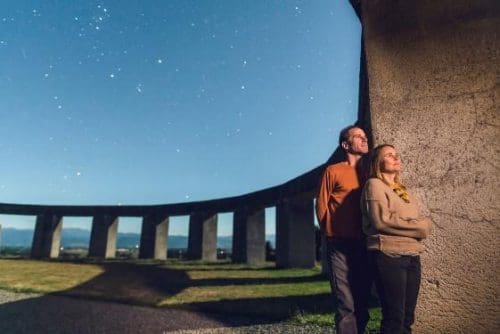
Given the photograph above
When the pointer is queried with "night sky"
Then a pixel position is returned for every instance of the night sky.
(149, 102)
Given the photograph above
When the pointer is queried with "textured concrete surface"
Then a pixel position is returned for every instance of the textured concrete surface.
(433, 69)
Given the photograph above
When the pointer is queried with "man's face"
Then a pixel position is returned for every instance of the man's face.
(357, 143)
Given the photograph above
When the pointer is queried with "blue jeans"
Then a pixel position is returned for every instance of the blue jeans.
(350, 281)
(398, 282)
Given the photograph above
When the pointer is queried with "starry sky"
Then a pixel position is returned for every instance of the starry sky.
(150, 102)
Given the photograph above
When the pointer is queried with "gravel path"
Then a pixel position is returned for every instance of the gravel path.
(33, 313)
(260, 329)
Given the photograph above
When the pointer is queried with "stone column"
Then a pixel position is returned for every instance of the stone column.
(249, 236)
(154, 235)
(202, 239)
(295, 241)
(433, 90)
(103, 236)
(47, 238)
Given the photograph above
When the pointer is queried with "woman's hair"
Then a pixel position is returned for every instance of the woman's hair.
(375, 162)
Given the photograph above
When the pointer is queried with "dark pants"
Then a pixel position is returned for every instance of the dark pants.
(350, 282)
(398, 282)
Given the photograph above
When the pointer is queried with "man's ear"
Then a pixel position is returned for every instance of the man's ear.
(345, 145)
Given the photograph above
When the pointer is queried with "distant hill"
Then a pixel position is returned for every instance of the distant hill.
(76, 237)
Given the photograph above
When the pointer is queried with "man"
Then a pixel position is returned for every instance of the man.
(339, 215)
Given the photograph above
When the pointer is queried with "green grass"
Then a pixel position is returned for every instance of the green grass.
(44, 277)
(326, 319)
(301, 296)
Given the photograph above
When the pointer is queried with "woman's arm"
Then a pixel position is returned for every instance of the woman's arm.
(376, 206)
(424, 221)
(389, 222)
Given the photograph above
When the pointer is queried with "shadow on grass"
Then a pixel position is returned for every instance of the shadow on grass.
(148, 284)
(252, 281)
(275, 308)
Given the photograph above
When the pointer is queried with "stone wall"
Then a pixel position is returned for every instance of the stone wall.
(433, 91)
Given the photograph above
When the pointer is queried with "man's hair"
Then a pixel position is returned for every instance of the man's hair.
(344, 133)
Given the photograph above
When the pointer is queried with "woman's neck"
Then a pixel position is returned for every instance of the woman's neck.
(389, 177)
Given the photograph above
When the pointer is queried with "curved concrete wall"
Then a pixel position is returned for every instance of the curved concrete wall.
(432, 69)
(294, 235)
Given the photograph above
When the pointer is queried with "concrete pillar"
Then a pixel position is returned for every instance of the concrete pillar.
(154, 235)
(249, 236)
(47, 238)
(103, 236)
(295, 241)
(433, 92)
(202, 239)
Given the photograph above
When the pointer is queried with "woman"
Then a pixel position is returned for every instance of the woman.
(394, 230)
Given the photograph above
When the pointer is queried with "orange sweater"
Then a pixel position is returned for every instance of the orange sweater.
(337, 203)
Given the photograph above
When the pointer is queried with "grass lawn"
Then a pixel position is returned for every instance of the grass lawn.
(301, 296)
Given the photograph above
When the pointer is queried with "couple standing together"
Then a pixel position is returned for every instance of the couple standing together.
(373, 231)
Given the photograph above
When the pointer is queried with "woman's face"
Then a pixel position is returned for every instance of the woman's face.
(391, 161)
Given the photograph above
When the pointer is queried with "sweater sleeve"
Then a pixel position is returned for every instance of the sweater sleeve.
(389, 222)
(323, 198)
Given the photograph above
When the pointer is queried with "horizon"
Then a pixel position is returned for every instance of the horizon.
(88, 230)
(76, 237)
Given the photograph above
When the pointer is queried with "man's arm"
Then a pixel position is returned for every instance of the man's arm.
(323, 198)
